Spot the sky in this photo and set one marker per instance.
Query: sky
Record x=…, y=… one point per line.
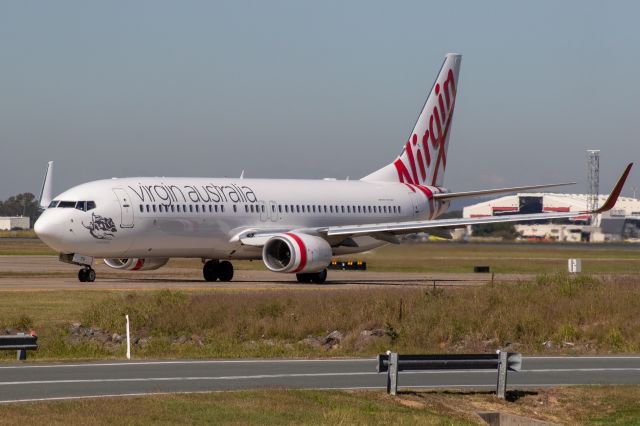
x=302, y=89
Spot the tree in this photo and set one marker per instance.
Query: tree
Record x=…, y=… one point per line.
x=504, y=230
x=24, y=204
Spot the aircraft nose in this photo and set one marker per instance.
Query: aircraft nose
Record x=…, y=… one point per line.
x=48, y=230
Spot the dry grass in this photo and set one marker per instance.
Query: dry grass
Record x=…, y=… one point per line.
x=574, y=315
x=238, y=408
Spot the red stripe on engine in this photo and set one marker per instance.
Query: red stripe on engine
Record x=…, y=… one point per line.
x=303, y=251
x=139, y=264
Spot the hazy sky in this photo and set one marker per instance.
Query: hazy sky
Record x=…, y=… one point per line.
x=313, y=89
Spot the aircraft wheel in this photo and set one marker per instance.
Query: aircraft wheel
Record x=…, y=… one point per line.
x=86, y=275
x=225, y=271
x=210, y=270
x=304, y=278
x=319, y=277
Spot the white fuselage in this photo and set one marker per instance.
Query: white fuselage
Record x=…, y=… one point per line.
x=197, y=217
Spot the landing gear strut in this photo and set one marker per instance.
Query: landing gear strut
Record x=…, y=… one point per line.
x=87, y=275
x=314, y=277
x=215, y=270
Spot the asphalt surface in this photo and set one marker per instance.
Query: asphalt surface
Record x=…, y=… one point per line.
x=48, y=273
x=34, y=382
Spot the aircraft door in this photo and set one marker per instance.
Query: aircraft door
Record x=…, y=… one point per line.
x=273, y=211
x=126, y=209
x=264, y=214
x=416, y=203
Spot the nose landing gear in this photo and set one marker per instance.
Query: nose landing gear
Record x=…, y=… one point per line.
x=87, y=274
x=215, y=270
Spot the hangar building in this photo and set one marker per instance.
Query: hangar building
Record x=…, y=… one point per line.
x=620, y=224
x=11, y=222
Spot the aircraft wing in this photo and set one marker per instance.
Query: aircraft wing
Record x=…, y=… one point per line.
x=454, y=195
x=425, y=225
x=385, y=231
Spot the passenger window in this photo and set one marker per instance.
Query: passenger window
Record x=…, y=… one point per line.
x=191, y=208
x=147, y=208
x=222, y=208
x=279, y=208
x=154, y=208
x=298, y=209
x=235, y=208
x=173, y=208
x=178, y=207
x=262, y=208
x=325, y=208
x=141, y=208
x=246, y=208
x=273, y=208
x=398, y=209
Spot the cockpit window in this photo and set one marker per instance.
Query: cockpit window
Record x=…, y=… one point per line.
x=85, y=206
x=66, y=204
x=53, y=204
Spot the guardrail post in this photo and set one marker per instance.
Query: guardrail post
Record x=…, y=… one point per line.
x=392, y=373
x=503, y=366
x=22, y=353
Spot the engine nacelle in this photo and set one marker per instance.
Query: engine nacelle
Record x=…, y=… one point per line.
x=296, y=253
x=135, y=264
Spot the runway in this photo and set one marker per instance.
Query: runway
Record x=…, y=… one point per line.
x=36, y=382
x=47, y=273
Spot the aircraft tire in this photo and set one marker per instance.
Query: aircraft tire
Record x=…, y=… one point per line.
x=319, y=277
x=210, y=270
x=303, y=278
x=82, y=275
x=225, y=271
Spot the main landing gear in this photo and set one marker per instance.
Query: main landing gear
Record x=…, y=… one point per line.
x=215, y=270
x=314, y=277
x=87, y=275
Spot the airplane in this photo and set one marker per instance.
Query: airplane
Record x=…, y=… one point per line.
x=295, y=226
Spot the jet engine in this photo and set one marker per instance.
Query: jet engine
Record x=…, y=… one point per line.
x=296, y=253
x=135, y=264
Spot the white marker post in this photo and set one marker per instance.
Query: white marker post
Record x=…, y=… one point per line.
x=128, y=339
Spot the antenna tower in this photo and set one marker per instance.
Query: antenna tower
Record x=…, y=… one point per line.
x=594, y=178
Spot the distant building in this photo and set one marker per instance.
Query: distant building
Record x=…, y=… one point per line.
x=620, y=224
x=8, y=223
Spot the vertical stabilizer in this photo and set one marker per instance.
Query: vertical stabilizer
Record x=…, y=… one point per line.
x=424, y=157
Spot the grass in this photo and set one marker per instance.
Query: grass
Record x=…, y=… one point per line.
x=23, y=233
x=580, y=405
x=555, y=314
x=240, y=408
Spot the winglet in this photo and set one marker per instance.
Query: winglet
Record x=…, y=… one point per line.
x=613, y=197
x=47, y=187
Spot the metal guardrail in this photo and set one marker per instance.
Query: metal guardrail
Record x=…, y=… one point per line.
x=392, y=363
x=20, y=342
